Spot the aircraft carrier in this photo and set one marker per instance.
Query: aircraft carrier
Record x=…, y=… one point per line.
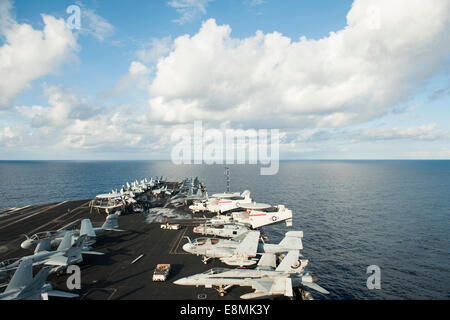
x=112, y=276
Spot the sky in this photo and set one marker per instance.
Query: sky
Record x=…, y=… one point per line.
x=363, y=79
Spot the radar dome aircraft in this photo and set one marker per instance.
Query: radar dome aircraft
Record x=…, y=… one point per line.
x=55, y=237
x=222, y=202
x=256, y=215
x=66, y=254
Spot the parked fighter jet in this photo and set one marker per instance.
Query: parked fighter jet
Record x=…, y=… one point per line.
x=288, y=275
x=189, y=196
x=241, y=250
x=24, y=287
x=66, y=254
x=55, y=237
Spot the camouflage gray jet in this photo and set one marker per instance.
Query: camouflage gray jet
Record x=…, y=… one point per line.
x=66, y=254
x=265, y=280
x=24, y=287
x=55, y=237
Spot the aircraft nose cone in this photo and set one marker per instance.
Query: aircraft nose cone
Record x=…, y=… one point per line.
x=187, y=247
x=181, y=281
x=25, y=244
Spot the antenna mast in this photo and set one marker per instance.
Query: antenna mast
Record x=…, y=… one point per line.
x=227, y=179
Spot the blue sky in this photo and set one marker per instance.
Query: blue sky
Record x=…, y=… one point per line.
x=339, y=79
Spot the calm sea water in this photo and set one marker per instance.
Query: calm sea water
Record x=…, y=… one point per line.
x=393, y=214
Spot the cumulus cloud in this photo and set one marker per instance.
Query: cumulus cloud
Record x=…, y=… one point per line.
x=69, y=122
x=386, y=51
x=28, y=54
x=137, y=77
x=189, y=9
x=65, y=108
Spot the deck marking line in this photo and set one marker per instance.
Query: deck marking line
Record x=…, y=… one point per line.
x=32, y=215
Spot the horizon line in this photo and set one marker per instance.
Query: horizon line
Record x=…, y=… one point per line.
x=169, y=160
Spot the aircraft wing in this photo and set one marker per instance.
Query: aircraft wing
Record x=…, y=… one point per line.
x=61, y=294
x=264, y=285
x=241, y=236
x=274, y=286
x=249, y=245
x=58, y=260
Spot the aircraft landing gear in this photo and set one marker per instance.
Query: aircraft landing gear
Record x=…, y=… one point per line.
x=205, y=260
x=223, y=290
x=302, y=294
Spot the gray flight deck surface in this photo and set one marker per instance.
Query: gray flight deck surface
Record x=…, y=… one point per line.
x=112, y=276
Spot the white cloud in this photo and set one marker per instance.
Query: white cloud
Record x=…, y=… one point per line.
x=70, y=122
x=255, y=2
x=386, y=51
x=189, y=9
x=158, y=48
x=427, y=132
x=95, y=25
x=28, y=54
x=137, y=77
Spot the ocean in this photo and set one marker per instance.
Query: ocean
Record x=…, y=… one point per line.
x=354, y=214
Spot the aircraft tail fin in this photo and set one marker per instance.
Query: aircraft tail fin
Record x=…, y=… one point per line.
x=249, y=245
x=86, y=228
x=77, y=246
x=267, y=261
x=66, y=242
x=44, y=245
x=111, y=222
x=290, y=262
x=23, y=275
x=37, y=282
x=245, y=194
x=292, y=240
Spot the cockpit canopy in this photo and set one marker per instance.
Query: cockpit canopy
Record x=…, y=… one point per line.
x=215, y=271
x=202, y=241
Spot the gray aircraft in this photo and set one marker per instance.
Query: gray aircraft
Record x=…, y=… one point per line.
x=55, y=237
x=225, y=231
x=265, y=280
x=242, y=250
x=24, y=287
x=189, y=191
x=66, y=254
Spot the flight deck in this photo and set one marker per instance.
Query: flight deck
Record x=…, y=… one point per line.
x=112, y=276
